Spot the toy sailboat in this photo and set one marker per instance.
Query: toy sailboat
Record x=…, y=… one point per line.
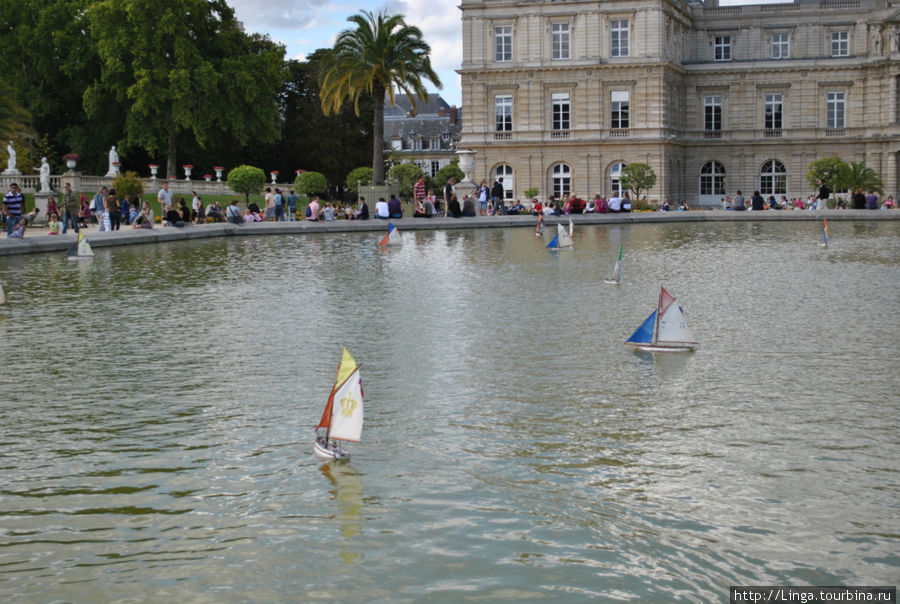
x=81, y=250
x=392, y=237
x=2, y=295
x=343, y=415
x=539, y=229
x=665, y=330
x=616, y=278
x=563, y=239
x=825, y=235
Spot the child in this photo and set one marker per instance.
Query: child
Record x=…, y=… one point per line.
x=54, y=224
x=19, y=230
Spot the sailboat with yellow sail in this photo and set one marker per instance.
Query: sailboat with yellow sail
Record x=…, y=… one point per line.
x=342, y=419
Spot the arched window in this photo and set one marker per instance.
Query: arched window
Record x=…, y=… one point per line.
x=506, y=173
x=615, y=174
x=773, y=178
x=712, y=179
x=561, y=180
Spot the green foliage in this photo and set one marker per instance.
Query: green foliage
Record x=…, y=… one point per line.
x=382, y=53
x=637, y=177
x=440, y=179
x=311, y=183
x=13, y=117
x=406, y=175
x=828, y=170
x=531, y=193
x=128, y=183
x=182, y=71
x=358, y=176
x=857, y=176
x=246, y=180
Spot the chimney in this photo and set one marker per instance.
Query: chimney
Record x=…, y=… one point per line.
x=454, y=113
x=442, y=112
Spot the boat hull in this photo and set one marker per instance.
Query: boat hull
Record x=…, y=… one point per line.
x=611, y=281
x=329, y=450
x=662, y=348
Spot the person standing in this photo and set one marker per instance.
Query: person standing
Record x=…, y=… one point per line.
x=449, y=192
x=292, y=206
x=164, y=197
x=279, y=205
x=419, y=189
x=497, y=195
x=98, y=206
x=269, y=209
x=14, y=204
x=114, y=210
x=71, y=207
x=822, y=197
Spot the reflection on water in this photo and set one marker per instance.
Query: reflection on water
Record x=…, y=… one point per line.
x=159, y=405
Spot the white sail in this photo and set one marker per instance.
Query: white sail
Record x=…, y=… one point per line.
x=2, y=295
x=673, y=327
x=84, y=248
x=394, y=237
x=571, y=227
x=347, y=411
x=565, y=240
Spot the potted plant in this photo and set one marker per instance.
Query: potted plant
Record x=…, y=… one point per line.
x=71, y=160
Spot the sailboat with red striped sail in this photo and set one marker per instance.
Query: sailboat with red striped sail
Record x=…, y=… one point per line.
x=342, y=419
x=665, y=330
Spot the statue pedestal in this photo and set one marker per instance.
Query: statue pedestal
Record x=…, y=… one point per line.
x=40, y=201
x=12, y=172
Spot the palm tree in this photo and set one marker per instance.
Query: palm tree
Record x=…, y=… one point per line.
x=382, y=52
x=857, y=176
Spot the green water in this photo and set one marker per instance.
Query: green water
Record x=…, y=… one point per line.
x=159, y=402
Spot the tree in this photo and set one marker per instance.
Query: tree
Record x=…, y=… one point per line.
x=382, y=52
x=128, y=184
x=451, y=169
x=13, y=117
x=246, y=179
x=182, y=70
x=637, y=177
x=406, y=175
x=358, y=176
x=311, y=183
x=828, y=170
x=531, y=192
x=857, y=176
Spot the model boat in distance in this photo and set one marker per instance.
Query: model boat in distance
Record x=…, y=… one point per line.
x=392, y=237
x=539, y=229
x=616, y=278
x=825, y=234
x=665, y=330
x=342, y=419
x=81, y=249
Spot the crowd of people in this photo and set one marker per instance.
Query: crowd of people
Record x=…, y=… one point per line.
x=110, y=213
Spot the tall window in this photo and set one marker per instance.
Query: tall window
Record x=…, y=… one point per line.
x=618, y=38
x=773, y=105
x=619, y=108
x=561, y=179
x=559, y=40
x=722, y=48
x=712, y=179
x=417, y=144
x=435, y=167
x=835, y=107
x=712, y=112
x=503, y=43
x=781, y=46
x=840, y=44
x=615, y=178
x=560, y=111
x=773, y=178
x=503, y=113
x=506, y=173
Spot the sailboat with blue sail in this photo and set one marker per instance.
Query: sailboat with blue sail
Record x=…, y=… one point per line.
x=563, y=239
x=665, y=330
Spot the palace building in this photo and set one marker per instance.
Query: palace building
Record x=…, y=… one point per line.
x=562, y=94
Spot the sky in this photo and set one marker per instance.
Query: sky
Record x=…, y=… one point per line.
x=304, y=26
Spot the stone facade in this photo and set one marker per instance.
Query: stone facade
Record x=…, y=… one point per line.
x=560, y=94
x=426, y=135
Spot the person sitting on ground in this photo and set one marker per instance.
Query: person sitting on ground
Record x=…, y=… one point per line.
x=683, y=207
x=328, y=212
x=233, y=213
x=184, y=212
x=591, y=207
x=395, y=210
x=516, y=208
x=172, y=218
x=214, y=211
x=381, y=209
x=31, y=216
x=453, y=207
x=602, y=205
x=252, y=207
x=312, y=210
x=666, y=206
x=626, y=203
x=363, y=212
x=468, y=208
x=84, y=216
x=537, y=208
x=889, y=203
x=420, y=208
x=54, y=224
x=18, y=231
x=144, y=220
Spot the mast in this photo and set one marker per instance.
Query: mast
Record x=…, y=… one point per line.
x=658, y=313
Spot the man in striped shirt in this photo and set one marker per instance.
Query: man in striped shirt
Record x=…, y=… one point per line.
x=14, y=201
x=419, y=189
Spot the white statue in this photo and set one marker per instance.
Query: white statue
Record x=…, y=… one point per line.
x=45, y=176
x=113, y=162
x=11, y=160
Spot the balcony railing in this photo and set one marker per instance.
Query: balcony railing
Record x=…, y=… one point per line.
x=834, y=132
x=559, y=134
x=502, y=136
x=772, y=133
x=619, y=133
x=712, y=134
